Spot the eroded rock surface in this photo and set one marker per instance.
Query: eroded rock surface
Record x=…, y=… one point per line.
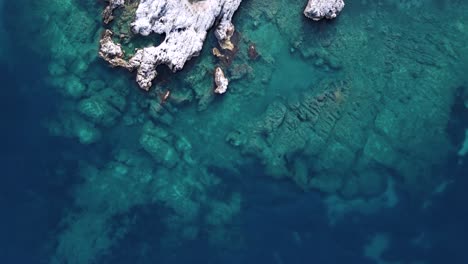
x=107, y=13
x=111, y=51
x=185, y=24
x=318, y=9
x=221, y=81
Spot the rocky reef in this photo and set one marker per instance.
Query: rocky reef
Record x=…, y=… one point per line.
x=333, y=140
x=185, y=25
x=221, y=81
x=351, y=109
x=318, y=9
x=111, y=51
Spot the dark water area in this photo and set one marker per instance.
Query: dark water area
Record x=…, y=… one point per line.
x=32, y=197
x=47, y=186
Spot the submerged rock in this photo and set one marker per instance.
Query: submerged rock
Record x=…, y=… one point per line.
x=318, y=9
x=158, y=143
x=185, y=24
x=252, y=51
x=74, y=127
x=464, y=148
x=221, y=81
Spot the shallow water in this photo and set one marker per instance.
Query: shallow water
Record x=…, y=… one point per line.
x=96, y=171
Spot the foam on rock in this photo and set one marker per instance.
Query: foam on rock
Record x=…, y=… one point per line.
x=318, y=9
x=185, y=24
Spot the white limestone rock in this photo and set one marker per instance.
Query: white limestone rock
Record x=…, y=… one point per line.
x=226, y=29
x=108, y=48
x=107, y=13
x=185, y=24
x=318, y=9
x=112, y=52
x=221, y=81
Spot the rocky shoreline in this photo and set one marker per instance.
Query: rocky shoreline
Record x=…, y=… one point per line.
x=185, y=25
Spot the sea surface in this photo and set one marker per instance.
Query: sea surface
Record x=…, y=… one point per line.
x=95, y=170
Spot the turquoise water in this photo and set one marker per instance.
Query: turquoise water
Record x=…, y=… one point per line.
x=341, y=143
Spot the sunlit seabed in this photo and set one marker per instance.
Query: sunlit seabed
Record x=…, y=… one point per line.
x=97, y=171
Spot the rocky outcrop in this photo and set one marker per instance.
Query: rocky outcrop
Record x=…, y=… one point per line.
x=111, y=51
x=224, y=32
x=107, y=13
x=185, y=24
x=221, y=81
x=318, y=9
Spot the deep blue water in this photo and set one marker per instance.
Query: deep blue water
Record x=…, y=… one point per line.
x=32, y=199
x=278, y=224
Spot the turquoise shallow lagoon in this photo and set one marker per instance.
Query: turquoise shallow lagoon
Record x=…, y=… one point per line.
x=343, y=141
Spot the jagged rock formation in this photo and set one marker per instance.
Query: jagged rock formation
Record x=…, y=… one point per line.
x=107, y=13
x=221, y=81
x=111, y=51
x=224, y=32
x=185, y=24
x=318, y=9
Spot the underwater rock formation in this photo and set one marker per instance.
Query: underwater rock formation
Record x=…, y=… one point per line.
x=252, y=51
x=287, y=129
x=185, y=25
x=221, y=81
x=334, y=139
x=158, y=143
x=318, y=9
x=464, y=148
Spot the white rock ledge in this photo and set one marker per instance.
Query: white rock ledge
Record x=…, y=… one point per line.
x=318, y=9
x=185, y=24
